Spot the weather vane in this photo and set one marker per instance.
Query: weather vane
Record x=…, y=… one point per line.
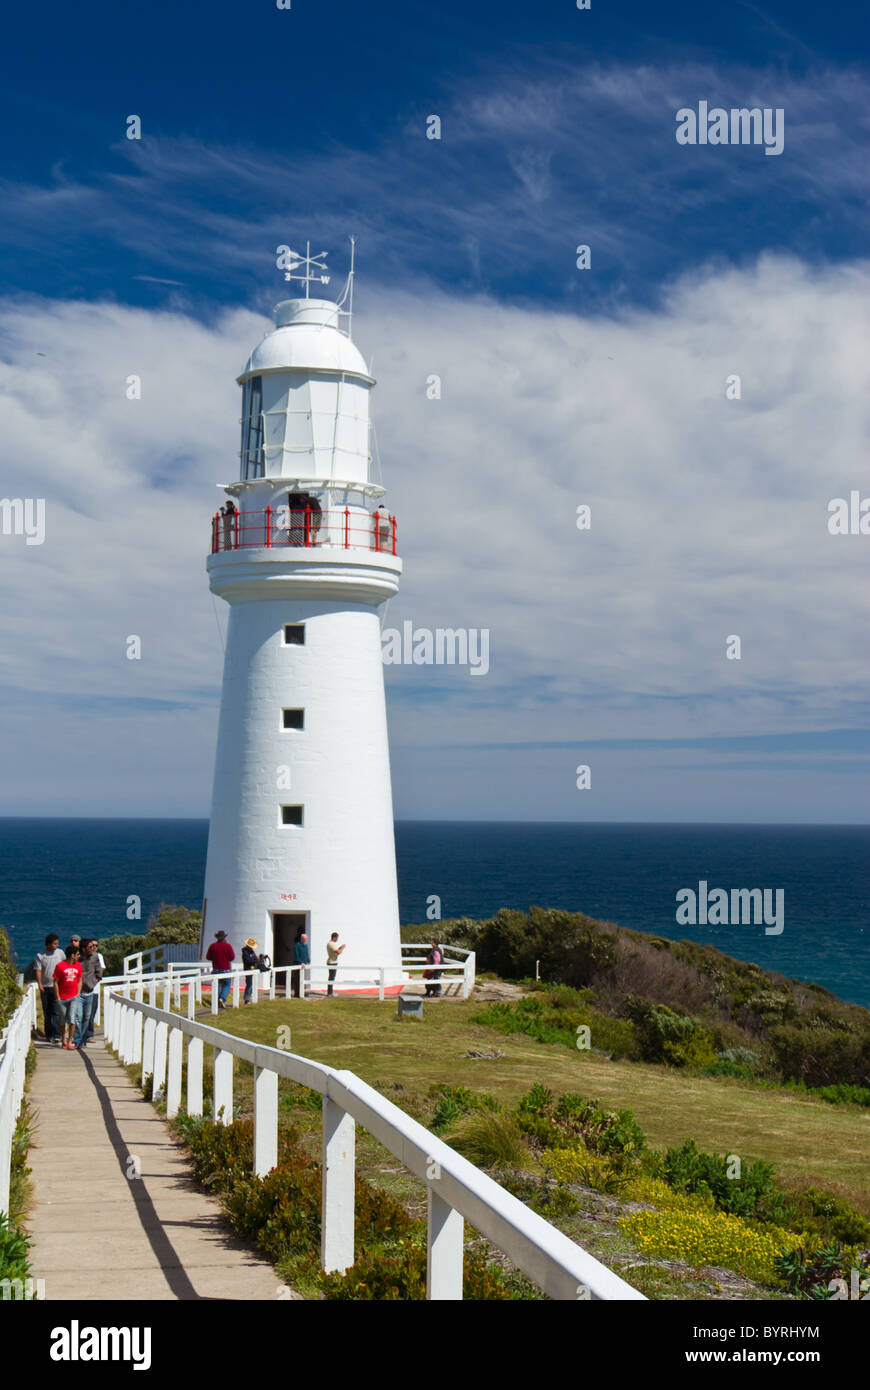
x=311, y=263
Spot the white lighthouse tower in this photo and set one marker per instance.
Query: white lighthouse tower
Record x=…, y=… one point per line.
x=304, y=552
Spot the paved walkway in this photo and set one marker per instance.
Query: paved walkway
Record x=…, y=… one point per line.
x=99, y=1234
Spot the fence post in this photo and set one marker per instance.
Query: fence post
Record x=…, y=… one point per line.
x=265, y=1120
x=214, y=995
x=148, y=1049
x=272, y=983
x=381, y=986
x=159, y=1073
x=223, y=1087
x=152, y=993
x=338, y=1188
x=191, y=998
x=302, y=982
x=194, y=1076
x=173, y=1080
x=176, y=982
x=167, y=995
x=444, y=1228
x=235, y=989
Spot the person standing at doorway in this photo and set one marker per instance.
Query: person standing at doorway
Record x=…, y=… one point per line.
x=301, y=957
x=91, y=975
x=333, y=951
x=221, y=955
x=250, y=961
x=46, y=962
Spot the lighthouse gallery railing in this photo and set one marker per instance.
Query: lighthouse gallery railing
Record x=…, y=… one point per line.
x=456, y=1190
x=348, y=528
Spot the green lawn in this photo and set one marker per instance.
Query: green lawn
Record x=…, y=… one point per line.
x=807, y=1140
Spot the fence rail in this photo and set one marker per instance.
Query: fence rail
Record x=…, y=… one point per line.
x=153, y=1038
x=14, y=1046
x=351, y=528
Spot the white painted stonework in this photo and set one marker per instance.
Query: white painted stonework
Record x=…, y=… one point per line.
x=339, y=865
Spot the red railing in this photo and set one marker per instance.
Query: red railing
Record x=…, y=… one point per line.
x=307, y=527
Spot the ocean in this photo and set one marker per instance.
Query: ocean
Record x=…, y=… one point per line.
x=77, y=875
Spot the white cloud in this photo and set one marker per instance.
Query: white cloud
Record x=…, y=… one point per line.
x=709, y=518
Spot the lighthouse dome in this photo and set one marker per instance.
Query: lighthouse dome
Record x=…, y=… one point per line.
x=305, y=408
x=307, y=337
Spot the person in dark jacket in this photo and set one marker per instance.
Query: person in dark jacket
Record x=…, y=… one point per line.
x=301, y=957
x=435, y=957
x=250, y=961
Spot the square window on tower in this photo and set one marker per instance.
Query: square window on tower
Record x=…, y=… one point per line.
x=294, y=634
x=293, y=718
x=291, y=815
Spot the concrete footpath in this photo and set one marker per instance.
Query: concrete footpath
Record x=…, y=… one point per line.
x=100, y=1233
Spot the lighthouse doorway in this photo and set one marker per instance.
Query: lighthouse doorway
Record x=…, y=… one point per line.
x=287, y=927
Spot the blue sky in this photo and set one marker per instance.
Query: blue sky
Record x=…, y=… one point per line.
x=263, y=126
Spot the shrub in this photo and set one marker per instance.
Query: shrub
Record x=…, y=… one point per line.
x=668, y=1036
x=578, y=1165
x=552, y=1200
x=10, y=994
x=808, y=1272
x=491, y=1139
x=14, y=1251
x=710, y=1238
x=452, y=1102
x=752, y=1194
x=394, y=1278
x=832, y=1217
x=558, y=1124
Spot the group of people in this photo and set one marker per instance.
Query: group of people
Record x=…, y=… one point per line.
x=68, y=982
x=222, y=955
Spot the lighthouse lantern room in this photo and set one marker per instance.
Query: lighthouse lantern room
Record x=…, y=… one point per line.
x=304, y=551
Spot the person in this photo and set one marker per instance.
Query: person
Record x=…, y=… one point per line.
x=228, y=526
x=435, y=957
x=92, y=973
x=301, y=957
x=250, y=961
x=383, y=528
x=68, y=988
x=221, y=955
x=333, y=951
x=46, y=963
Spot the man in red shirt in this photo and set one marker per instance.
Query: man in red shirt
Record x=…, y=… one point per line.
x=221, y=955
x=68, y=988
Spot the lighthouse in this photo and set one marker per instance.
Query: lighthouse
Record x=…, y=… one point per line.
x=304, y=552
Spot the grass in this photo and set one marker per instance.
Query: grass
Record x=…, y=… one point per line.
x=808, y=1141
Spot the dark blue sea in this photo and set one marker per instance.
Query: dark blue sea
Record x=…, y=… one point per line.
x=67, y=875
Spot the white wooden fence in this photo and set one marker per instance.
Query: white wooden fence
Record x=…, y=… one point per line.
x=14, y=1045
x=154, y=1039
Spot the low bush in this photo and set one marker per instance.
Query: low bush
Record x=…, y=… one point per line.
x=393, y=1278
x=552, y=1200
x=578, y=1165
x=14, y=1251
x=752, y=1194
x=831, y=1217
x=452, y=1102
x=491, y=1139
x=710, y=1238
x=667, y=1036
x=808, y=1272
x=560, y=1123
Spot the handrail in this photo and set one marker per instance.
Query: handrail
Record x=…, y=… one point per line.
x=304, y=527
x=456, y=1189
x=14, y=1046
